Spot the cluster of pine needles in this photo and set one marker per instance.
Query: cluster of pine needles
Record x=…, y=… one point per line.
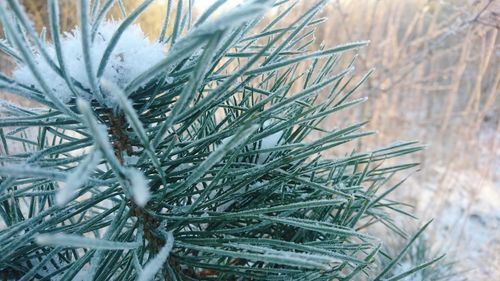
x=200, y=167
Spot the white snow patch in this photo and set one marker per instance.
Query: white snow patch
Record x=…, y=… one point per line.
x=132, y=55
x=268, y=142
x=258, y=184
x=49, y=268
x=78, y=178
x=149, y=271
x=130, y=160
x=139, y=185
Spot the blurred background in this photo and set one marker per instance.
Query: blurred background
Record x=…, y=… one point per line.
x=436, y=80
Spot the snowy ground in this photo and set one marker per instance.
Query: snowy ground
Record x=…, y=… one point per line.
x=465, y=205
x=466, y=212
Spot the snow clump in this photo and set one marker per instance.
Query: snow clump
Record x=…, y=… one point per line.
x=132, y=55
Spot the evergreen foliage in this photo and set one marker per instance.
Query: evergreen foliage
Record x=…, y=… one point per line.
x=199, y=167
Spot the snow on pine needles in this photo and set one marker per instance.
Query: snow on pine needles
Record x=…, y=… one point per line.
x=133, y=54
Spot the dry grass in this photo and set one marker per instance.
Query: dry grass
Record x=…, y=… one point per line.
x=436, y=81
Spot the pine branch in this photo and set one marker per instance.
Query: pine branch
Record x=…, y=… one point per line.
x=193, y=162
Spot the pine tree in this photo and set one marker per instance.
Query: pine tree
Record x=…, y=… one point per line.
x=187, y=158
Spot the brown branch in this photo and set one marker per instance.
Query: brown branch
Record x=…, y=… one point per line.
x=117, y=128
x=121, y=143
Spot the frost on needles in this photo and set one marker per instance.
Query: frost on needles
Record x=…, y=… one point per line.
x=187, y=156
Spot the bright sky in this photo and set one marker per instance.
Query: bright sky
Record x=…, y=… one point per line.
x=203, y=4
